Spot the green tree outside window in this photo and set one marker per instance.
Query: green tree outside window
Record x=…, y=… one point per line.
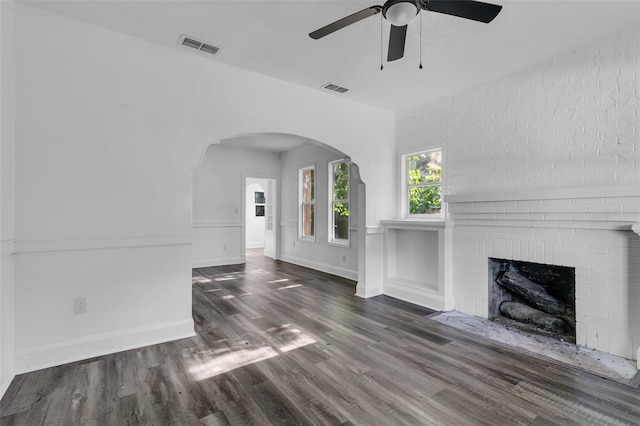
x=424, y=182
x=307, y=218
x=340, y=203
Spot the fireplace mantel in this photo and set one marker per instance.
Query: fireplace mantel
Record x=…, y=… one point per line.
x=609, y=208
x=607, y=191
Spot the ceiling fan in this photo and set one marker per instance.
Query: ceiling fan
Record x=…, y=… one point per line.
x=400, y=12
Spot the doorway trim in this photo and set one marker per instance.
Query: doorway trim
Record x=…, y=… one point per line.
x=276, y=216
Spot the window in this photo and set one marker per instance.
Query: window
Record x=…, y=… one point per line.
x=423, y=183
x=339, y=202
x=306, y=222
x=259, y=203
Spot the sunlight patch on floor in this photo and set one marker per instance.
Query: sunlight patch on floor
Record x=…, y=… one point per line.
x=213, y=362
x=290, y=286
x=221, y=364
x=301, y=339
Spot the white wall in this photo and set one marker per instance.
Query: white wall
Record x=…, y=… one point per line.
x=218, y=207
x=420, y=264
x=7, y=204
x=319, y=254
x=543, y=165
x=255, y=225
x=230, y=102
x=104, y=180
x=103, y=192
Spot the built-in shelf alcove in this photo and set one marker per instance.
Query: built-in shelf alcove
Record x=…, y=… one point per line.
x=417, y=256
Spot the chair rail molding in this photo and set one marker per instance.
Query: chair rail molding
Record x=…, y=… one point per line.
x=99, y=243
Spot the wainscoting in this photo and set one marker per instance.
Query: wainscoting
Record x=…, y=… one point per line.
x=217, y=243
x=116, y=276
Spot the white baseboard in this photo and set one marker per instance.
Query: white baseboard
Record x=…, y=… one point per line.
x=259, y=244
x=423, y=297
x=50, y=355
x=216, y=262
x=366, y=292
x=322, y=267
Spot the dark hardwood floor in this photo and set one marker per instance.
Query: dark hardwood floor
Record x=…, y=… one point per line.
x=284, y=345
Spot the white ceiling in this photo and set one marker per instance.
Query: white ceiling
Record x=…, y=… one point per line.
x=271, y=37
x=269, y=142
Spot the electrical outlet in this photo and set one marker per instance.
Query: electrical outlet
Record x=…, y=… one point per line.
x=225, y=247
x=80, y=305
x=344, y=259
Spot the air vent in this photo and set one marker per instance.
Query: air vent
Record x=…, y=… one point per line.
x=191, y=43
x=335, y=88
x=209, y=48
x=197, y=44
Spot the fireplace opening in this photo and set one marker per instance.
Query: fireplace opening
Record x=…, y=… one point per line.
x=533, y=297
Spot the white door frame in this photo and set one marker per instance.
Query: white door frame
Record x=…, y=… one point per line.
x=276, y=218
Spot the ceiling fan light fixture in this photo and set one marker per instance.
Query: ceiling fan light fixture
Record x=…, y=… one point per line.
x=400, y=12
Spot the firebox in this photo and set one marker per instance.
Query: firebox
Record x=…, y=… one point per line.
x=534, y=297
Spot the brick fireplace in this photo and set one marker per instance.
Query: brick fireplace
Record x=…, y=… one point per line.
x=589, y=229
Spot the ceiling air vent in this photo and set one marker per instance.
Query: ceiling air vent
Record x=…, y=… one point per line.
x=197, y=44
x=335, y=88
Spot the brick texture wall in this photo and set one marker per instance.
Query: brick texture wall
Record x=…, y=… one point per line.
x=566, y=130
x=570, y=121
x=590, y=233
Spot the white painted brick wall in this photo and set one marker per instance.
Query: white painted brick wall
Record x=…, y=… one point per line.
x=605, y=253
x=570, y=122
x=607, y=276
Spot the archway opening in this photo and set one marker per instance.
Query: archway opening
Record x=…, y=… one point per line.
x=222, y=200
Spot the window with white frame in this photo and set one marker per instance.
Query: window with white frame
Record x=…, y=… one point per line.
x=307, y=201
x=339, y=202
x=423, y=183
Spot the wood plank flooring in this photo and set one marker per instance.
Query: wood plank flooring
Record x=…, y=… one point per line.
x=284, y=345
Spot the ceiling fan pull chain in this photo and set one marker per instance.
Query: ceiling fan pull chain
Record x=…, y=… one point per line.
x=381, y=48
x=420, y=67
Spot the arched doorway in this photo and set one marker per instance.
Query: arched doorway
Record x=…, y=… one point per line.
x=222, y=199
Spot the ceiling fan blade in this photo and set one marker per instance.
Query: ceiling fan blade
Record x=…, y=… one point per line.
x=396, y=42
x=341, y=23
x=469, y=9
